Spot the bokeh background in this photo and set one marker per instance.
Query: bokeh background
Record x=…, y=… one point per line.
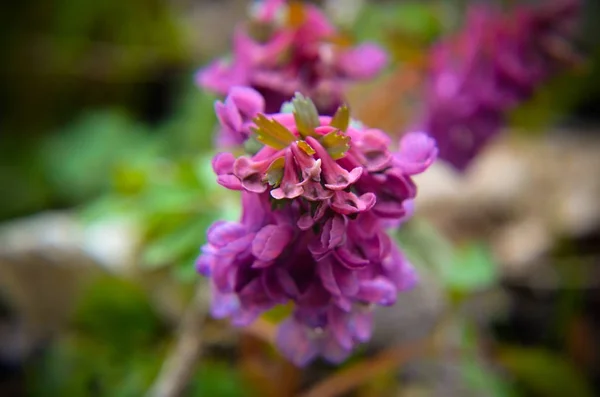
x=107, y=190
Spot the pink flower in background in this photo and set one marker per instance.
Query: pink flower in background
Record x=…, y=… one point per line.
x=494, y=64
x=316, y=202
x=288, y=48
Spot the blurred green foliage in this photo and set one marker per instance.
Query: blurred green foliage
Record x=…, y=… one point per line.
x=418, y=20
x=543, y=373
x=72, y=137
x=405, y=28
x=552, y=102
x=78, y=162
x=166, y=185
x=61, y=55
x=117, y=313
x=218, y=379
x=115, y=348
x=481, y=377
x=462, y=270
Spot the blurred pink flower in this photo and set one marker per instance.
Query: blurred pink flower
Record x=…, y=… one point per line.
x=490, y=67
x=288, y=48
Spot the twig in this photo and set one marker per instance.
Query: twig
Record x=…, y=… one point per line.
x=350, y=378
x=179, y=366
x=262, y=330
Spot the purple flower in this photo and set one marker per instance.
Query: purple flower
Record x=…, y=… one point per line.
x=317, y=199
x=288, y=48
x=494, y=64
x=240, y=107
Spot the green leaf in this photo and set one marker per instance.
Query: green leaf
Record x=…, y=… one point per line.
x=422, y=21
x=275, y=172
x=185, y=271
x=287, y=107
x=278, y=313
x=341, y=119
x=117, y=314
x=544, y=373
x=464, y=269
x=169, y=248
x=425, y=246
x=472, y=269
x=306, y=115
x=217, y=379
x=337, y=144
x=77, y=365
x=252, y=145
x=272, y=133
x=481, y=377
x=483, y=380
x=79, y=161
x=549, y=103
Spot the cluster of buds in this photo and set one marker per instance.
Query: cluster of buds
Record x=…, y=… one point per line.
x=292, y=47
x=494, y=64
x=317, y=199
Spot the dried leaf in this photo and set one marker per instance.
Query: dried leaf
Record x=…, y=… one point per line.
x=306, y=148
x=296, y=14
x=341, y=39
x=337, y=144
x=272, y=133
x=351, y=377
x=341, y=119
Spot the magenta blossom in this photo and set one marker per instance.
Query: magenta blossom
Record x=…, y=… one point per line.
x=292, y=48
x=316, y=201
x=496, y=63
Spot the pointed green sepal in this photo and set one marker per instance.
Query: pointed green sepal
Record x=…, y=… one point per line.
x=306, y=148
x=337, y=144
x=252, y=145
x=272, y=133
x=306, y=115
x=341, y=119
x=274, y=173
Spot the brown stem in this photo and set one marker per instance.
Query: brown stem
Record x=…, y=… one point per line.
x=178, y=368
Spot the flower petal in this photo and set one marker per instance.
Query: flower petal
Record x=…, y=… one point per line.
x=360, y=324
x=336, y=177
x=294, y=342
x=363, y=62
x=222, y=305
x=332, y=351
x=338, y=326
x=379, y=290
x=334, y=232
x=417, y=152
x=222, y=233
x=250, y=174
x=351, y=260
x=347, y=203
x=222, y=163
x=228, y=115
x=270, y=242
x=248, y=101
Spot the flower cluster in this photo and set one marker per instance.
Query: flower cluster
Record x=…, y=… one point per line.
x=288, y=48
x=491, y=66
x=317, y=198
